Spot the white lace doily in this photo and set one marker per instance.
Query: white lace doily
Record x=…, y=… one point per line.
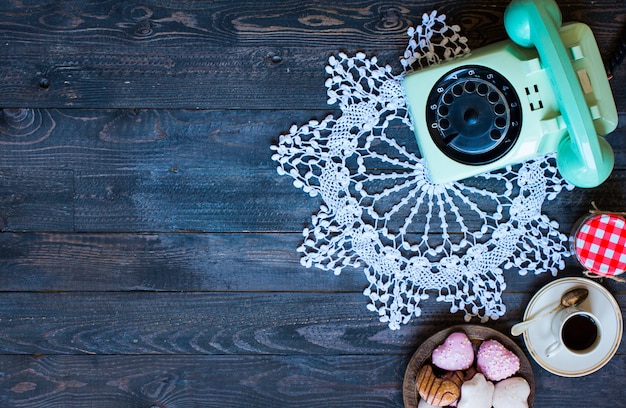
x=380, y=211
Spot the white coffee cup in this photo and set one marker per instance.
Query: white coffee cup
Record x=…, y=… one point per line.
x=575, y=330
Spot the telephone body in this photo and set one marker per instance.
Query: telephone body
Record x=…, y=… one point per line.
x=545, y=90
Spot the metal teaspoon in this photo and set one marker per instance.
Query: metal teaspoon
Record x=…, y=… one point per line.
x=572, y=297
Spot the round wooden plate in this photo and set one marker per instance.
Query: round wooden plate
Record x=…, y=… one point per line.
x=477, y=334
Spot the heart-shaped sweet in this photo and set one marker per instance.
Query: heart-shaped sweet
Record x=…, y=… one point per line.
x=495, y=361
x=456, y=353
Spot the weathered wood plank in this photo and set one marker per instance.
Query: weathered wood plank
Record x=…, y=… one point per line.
x=189, y=200
x=196, y=323
x=93, y=141
x=256, y=55
x=222, y=79
x=159, y=171
x=162, y=262
x=251, y=381
x=185, y=262
x=201, y=201
x=42, y=197
x=212, y=23
x=223, y=23
x=206, y=381
x=130, y=323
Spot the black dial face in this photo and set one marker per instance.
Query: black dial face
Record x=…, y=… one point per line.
x=474, y=115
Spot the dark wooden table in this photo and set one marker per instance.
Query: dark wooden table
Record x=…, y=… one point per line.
x=148, y=247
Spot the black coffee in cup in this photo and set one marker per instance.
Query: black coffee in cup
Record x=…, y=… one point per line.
x=579, y=332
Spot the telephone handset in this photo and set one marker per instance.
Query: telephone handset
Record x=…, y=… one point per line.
x=544, y=91
x=584, y=158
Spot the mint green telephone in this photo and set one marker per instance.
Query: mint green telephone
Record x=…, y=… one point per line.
x=545, y=91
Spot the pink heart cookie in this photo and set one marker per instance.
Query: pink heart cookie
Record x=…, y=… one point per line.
x=456, y=353
x=495, y=361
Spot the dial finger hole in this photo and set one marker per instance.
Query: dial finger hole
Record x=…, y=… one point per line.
x=495, y=134
x=482, y=89
x=499, y=109
x=447, y=98
x=470, y=86
x=457, y=90
x=500, y=122
x=443, y=110
x=493, y=97
x=444, y=124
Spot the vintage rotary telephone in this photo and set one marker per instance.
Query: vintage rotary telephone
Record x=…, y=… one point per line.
x=544, y=91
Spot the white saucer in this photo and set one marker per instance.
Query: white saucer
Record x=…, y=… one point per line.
x=539, y=336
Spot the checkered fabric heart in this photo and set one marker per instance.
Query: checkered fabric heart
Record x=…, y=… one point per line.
x=600, y=244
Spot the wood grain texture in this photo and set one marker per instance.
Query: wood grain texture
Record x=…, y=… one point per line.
x=216, y=54
x=242, y=323
x=206, y=381
x=148, y=247
x=162, y=262
x=239, y=323
x=180, y=171
x=150, y=139
x=102, y=262
x=245, y=381
x=43, y=197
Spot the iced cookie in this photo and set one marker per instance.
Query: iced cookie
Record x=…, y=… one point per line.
x=495, y=361
x=476, y=393
x=511, y=393
x=438, y=391
x=456, y=353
